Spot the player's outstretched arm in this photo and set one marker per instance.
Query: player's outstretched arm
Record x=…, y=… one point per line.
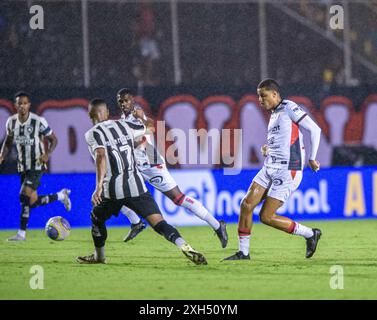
x=315, y=136
x=6, y=147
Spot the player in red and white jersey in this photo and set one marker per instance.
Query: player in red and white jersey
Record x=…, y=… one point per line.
x=282, y=170
x=153, y=169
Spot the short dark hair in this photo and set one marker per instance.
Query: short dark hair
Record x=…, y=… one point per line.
x=97, y=101
x=125, y=91
x=94, y=104
x=269, y=84
x=21, y=94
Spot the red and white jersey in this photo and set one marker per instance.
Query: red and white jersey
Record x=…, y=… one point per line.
x=284, y=138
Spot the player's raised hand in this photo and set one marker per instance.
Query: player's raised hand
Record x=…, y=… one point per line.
x=96, y=197
x=138, y=113
x=314, y=165
x=1, y=158
x=264, y=150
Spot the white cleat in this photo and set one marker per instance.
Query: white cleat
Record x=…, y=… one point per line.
x=66, y=201
x=193, y=255
x=17, y=237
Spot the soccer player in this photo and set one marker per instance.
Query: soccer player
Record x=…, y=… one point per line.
x=29, y=131
x=282, y=170
x=119, y=183
x=153, y=169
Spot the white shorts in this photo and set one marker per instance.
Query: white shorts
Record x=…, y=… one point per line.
x=279, y=182
x=159, y=177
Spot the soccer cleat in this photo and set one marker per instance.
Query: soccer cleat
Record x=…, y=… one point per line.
x=66, y=201
x=135, y=230
x=222, y=234
x=17, y=237
x=193, y=255
x=89, y=260
x=238, y=256
x=311, y=243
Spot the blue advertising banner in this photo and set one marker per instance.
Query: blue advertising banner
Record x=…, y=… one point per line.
x=334, y=193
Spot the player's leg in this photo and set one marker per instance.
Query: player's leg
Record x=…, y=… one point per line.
x=171, y=234
x=99, y=215
x=253, y=197
x=28, y=194
x=287, y=182
x=136, y=224
x=147, y=207
x=161, y=179
x=269, y=217
x=62, y=196
x=193, y=205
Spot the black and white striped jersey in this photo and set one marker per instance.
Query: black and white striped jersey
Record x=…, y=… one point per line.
x=122, y=178
x=146, y=153
x=28, y=137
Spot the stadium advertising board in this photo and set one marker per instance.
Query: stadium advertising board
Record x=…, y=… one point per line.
x=333, y=193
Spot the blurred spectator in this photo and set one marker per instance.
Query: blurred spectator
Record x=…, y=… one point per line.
x=147, y=54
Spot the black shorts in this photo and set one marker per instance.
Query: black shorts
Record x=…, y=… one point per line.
x=31, y=179
x=144, y=205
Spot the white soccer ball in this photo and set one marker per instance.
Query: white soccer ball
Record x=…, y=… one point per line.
x=57, y=228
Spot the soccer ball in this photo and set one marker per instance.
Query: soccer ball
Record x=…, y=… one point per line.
x=57, y=228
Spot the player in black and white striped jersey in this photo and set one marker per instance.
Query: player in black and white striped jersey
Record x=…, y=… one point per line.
x=119, y=183
x=29, y=132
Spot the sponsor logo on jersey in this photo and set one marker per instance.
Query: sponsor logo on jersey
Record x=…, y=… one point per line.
x=156, y=180
x=29, y=129
x=277, y=182
x=275, y=129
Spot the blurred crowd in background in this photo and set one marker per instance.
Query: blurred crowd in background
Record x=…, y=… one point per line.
x=218, y=44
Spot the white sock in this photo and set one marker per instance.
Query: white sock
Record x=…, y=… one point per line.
x=244, y=244
x=179, y=242
x=60, y=195
x=200, y=211
x=301, y=230
x=22, y=233
x=132, y=216
x=99, y=254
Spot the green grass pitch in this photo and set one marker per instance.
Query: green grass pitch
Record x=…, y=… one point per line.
x=149, y=267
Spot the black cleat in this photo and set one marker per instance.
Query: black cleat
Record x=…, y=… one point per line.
x=135, y=230
x=222, y=234
x=311, y=243
x=90, y=259
x=238, y=256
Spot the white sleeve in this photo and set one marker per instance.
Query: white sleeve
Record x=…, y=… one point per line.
x=295, y=112
x=315, y=135
x=94, y=140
